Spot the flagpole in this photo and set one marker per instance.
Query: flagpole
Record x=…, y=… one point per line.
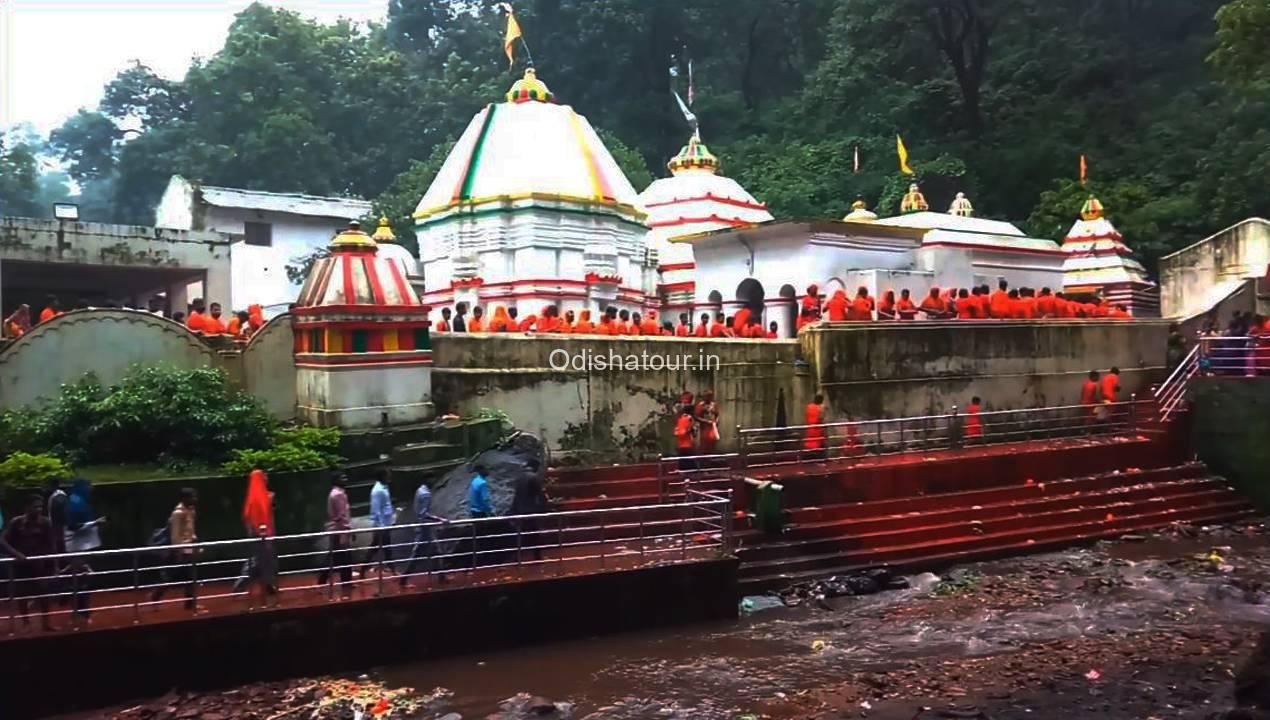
x=529, y=57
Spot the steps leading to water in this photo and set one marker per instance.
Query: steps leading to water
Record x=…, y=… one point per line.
x=957, y=527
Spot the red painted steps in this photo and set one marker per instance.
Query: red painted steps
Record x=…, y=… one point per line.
x=1036, y=526
x=936, y=527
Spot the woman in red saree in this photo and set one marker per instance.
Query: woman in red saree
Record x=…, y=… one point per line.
x=262, y=566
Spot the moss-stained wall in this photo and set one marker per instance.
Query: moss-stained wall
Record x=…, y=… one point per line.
x=920, y=368
x=612, y=414
x=1231, y=431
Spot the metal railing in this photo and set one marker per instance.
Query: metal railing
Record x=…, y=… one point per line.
x=773, y=446
x=227, y=575
x=764, y=447
x=1213, y=356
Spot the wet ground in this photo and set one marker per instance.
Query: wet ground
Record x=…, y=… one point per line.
x=1143, y=627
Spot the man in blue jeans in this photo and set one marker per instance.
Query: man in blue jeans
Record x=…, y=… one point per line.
x=478, y=506
x=382, y=517
x=425, y=545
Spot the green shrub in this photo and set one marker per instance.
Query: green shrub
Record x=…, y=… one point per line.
x=176, y=417
x=283, y=458
x=20, y=431
x=25, y=470
x=324, y=440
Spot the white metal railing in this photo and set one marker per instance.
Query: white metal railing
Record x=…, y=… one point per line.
x=1213, y=356
x=774, y=446
x=137, y=581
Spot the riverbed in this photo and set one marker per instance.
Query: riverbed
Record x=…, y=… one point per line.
x=1146, y=626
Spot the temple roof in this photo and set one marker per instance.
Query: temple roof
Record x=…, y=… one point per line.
x=355, y=273
x=1096, y=253
x=929, y=220
x=528, y=149
x=697, y=199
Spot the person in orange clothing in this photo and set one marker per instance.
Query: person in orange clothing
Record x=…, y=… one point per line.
x=729, y=330
x=836, y=307
x=195, y=320
x=809, y=311
x=584, y=326
x=772, y=331
x=684, y=445
x=237, y=325
x=1118, y=312
x=1065, y=308
x=549, y=320
x=904, y=307
x=706, y=413
x=1111, y=385
x=740, y=322
x=649, y=325
x=703, y=328
x=52, y=308
x=886, y=308
x=934, y=306
x=1090, y=392
x=500, y=321
x=814, y=433
x=605, y=325
x=18, y=323
x=569, y=323
x=967, y=309
x=255, y=317
x=1014, y=309
x=862, y=305
x=999, y=302
x=1046, y=304
x=682, y=329
x=527, y=323
x=974, y=427
x=257, y=516
x=718, y=328
x=212, y=323
x=754, y=330
x=443, y=325
x=1028, y=300
x=477, y=323
x=637, y=324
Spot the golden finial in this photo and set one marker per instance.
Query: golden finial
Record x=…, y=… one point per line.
x=384, y=233
x=353, y=240
x=961, y=206
x=914, y=200
x=1092, y=209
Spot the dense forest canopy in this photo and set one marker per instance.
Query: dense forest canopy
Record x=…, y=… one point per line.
x=999, y=98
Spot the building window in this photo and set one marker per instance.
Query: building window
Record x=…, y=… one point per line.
x=258, y=233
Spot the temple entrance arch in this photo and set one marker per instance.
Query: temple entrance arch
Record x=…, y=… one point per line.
x=750, y=294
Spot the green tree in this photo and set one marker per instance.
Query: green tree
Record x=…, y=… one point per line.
x=19, y=178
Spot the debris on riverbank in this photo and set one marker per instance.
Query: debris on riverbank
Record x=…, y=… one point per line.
x=320, y=699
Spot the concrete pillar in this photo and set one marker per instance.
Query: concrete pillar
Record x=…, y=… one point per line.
x=218, y=286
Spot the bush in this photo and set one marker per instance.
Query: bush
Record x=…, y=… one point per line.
x=324, y=440
x=283, y=458
x=34, y=471
x=157, y=415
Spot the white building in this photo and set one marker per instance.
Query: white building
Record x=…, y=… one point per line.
x=273, y=229
x=768, y=268
x=530, y=209
x=694, y=199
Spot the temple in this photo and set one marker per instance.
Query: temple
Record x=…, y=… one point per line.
x=530, y=209
x=1098, y=262
x=363, y=357
x=767, y=267
x=694, y=199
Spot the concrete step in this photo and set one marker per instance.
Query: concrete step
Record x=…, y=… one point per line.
x=933, y=527
x=940, y=557
x=1044, y=531
x=424, y=453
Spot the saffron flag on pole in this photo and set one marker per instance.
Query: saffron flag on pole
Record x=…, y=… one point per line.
x=512, y=35
x=903, y=153
x=1084, y=170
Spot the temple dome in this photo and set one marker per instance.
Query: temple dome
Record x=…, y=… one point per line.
x=695, y=198
x=860, y=213
x=356, y=274
x=386, y=240
x=528, y=151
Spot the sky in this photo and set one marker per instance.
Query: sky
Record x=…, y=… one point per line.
x=57, y=55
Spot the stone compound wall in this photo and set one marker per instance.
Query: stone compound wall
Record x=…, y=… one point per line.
x=268, y=366
x=1195, y=278
x=617, y=414
x=105, y=342
x=1230, y=424
x=876, y=370
x=918, y=368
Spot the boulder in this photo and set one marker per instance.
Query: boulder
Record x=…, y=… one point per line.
x=517, y=478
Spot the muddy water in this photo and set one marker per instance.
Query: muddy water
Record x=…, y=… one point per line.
x=714, y=672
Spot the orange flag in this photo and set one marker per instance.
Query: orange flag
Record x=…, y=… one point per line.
x=1084, y=170
x=511, y=36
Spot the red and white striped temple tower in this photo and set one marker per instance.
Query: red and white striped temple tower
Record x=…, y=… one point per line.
x=1098, y=262
x=362, y=353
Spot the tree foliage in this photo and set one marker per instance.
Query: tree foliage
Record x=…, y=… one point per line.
x=996, y=98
